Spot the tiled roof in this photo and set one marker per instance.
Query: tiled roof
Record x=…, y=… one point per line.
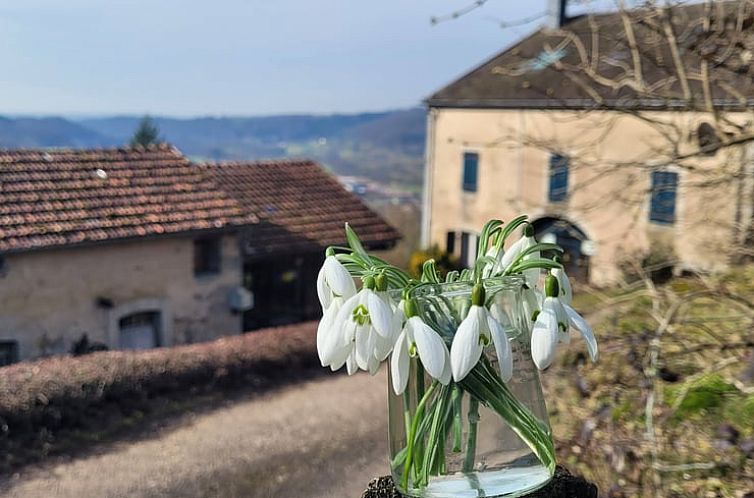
x=51, y=198
x=525, y=75
x=300, y=206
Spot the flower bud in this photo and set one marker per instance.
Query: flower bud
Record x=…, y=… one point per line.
x=410, y=308
x=552, y=289
x=368, y=282
x=478, y=295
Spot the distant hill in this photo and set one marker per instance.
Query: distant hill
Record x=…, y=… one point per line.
x=47, y=132
x=384, y=146
x=387, y=146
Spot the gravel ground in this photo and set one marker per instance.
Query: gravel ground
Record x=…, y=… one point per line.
x=324, y=438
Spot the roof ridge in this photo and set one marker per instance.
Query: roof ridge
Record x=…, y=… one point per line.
x=163, y=146
x=259, y=162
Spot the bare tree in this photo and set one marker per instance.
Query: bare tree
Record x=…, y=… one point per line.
x=686, y=72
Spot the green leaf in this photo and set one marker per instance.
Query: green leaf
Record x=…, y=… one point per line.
x=511, y=226
x=355, y=243
x=429, y=272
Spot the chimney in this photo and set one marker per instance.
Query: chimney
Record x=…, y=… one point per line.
x=556, y=13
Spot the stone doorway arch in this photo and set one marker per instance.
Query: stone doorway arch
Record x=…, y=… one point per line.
x=577, y=247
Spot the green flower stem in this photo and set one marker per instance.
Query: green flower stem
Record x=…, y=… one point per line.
x=407, y=410
x=419, y=380
x=435, y=449
x=473, y=417
x=419, y=443
x=457, y=422
x=412, y=433
x=484, y=384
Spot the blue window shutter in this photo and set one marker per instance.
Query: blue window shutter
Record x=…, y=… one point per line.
x=470, y=171
x=558, y=178
x=663, y=197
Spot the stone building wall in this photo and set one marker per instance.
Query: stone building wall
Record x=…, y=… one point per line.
x=49, y=299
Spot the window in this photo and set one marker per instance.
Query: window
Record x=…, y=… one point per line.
x=709, y=142
x=8, y=352
x=663, y=196
x=450, y=242
x=468, y=248
x=558, y=178
x=470, y=171
x=207, y=256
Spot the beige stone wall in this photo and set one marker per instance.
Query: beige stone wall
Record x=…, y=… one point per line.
x=609, y=203
x=48, y=299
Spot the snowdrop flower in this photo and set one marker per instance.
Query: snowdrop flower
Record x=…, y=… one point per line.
x=361, y=332
x=553, y=322
x=418, y=339
x=477, y=331
x=333, y=281
x=518, y=247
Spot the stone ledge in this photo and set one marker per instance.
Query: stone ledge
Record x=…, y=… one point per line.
x=563, y=485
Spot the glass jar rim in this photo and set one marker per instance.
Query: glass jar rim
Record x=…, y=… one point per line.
x=457, y=289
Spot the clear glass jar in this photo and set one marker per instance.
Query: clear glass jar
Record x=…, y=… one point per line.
x=481, y=437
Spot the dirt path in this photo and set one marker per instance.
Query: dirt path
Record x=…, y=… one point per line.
x=324, y=438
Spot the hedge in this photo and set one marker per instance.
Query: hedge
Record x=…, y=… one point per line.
x=42, y=400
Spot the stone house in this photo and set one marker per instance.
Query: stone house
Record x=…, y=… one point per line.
x=519, y=134
x=301, y=210
x=138, y=248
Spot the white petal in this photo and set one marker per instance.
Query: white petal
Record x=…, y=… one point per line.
x=430, y=346
x=383, y=347
x=586, y=331
x=380, y=314
x=544, y=338
x=502, y=348
x=512, y=253
x=323, y=292
x=351, y=366
x=447, y=373
x=325, y=328
x=532, y=275
x=338, y=278
x=466, y=349
x=362, y=347
x=340, y=345
x=373, y=365
x=399, y=364
x=336, y=342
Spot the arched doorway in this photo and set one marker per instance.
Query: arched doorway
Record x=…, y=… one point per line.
x=574, y=241
x=140, y=330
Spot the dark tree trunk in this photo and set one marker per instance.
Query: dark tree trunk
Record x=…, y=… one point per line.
x=563, y=485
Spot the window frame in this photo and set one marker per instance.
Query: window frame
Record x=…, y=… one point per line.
x=559, y=166
x=207, y=255
x=657, y=214
x=467, y=185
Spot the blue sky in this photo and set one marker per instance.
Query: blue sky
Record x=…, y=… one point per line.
x=240, y=57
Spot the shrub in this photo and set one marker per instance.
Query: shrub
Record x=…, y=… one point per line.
x=40, y=399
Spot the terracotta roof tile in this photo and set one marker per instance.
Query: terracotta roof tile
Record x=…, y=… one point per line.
x=67, y=197
x=300, y=206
